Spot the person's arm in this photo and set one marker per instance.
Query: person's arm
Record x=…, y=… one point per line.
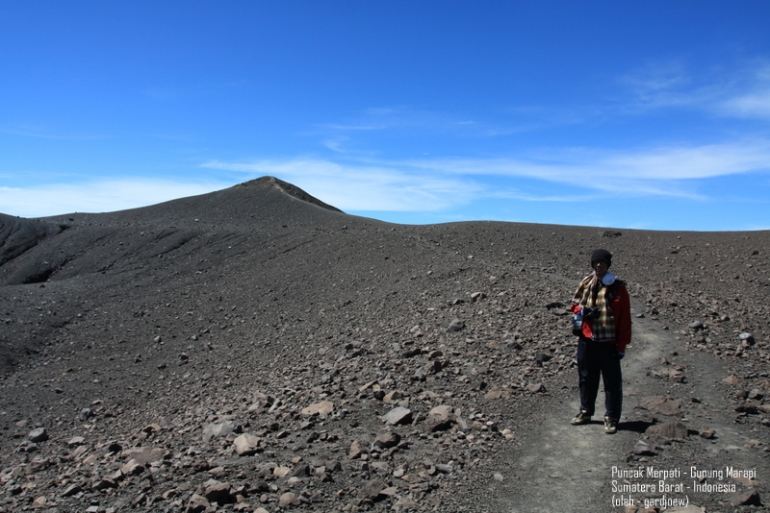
x=622, y=314
x=579, y=293
x=576, y=306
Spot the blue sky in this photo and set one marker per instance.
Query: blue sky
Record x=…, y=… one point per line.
x=652, y=115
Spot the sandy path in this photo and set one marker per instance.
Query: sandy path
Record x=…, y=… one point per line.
x=559, y=467
x=568, y=468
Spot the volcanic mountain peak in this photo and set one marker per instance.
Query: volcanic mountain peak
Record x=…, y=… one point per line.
x=288, y=189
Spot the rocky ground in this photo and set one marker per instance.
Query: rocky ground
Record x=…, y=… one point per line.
x=257, y=350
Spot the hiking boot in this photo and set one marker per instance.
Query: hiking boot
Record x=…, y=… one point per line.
x=581, y=418
x=610, y=425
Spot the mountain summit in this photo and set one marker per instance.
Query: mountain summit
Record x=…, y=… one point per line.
x=290, y=189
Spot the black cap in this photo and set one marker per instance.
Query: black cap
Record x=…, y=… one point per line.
x=601, y=254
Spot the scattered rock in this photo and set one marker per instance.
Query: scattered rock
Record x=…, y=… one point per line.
x=132, y=468
x=220, y=429
x=217, y=491
x=280, y=472
x=440, y=418
x=322, y=408
x=288, y=499
x=75, y=441
x=642, y=448
x=387, y=438
x=246, y=444
x=71, y=490
x=393, y=396
x=748, y=406
x=404, y=504
x=668, y=430
x=356, y=450
x=38, y=435
x=372, y=489
x=536, y=388
x=456, y=325
x=498, y=392
x=747, y=497
x=671, y=374
x=145, y=455
x=746, y=481
x=398, y=415
x=197, y=504
x=151, y=428
x=661, y=405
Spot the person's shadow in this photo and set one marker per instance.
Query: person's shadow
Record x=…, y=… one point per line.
x=637, y=426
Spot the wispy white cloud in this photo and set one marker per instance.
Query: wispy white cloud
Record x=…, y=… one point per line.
x=753, y=105
x=412, y=119
x=580, y=175
x=599, y=169
x=658, y=84
x=751, y=98
x=366, y=186
x=336, y=143
x=105, y=196
x=687, y=163
x=741, y=93
x=513, y=194
x=429, y=185
x=435, y=184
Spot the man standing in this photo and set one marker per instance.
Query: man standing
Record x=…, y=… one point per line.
x=602, y=319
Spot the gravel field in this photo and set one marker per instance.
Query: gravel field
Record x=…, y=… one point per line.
x=255, y=349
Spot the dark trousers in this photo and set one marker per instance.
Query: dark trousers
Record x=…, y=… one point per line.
x=595, y=358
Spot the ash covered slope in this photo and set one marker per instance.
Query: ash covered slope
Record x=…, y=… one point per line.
x=92, y=259
x=184, y=313
x=34, y=251
x=18, y=235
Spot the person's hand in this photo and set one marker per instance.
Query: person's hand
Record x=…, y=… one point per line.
x=621, y=354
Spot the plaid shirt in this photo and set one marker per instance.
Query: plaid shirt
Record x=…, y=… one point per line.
x=593, y=293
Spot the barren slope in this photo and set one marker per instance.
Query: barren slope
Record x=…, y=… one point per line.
x=144, y=328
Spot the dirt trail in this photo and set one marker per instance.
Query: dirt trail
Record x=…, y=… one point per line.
x=568, y=468
x=560, y=467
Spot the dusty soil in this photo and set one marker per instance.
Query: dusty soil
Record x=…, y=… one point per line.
x=152, y=344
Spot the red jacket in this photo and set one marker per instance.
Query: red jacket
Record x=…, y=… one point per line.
x=621, y=312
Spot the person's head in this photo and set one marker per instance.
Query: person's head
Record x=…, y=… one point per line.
x=601, y=259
